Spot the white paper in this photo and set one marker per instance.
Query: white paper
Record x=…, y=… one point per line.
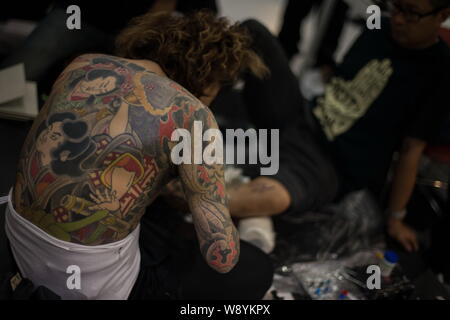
x=24, y=108
x=12, y=83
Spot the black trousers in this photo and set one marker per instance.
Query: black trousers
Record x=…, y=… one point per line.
x=294, y=14
x=173, y=268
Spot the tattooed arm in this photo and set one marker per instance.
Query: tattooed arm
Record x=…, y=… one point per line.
x=204, y=189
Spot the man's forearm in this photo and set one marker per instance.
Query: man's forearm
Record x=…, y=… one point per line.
x=403, y=182
x=218, y=237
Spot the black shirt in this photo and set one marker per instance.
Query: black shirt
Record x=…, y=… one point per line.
x=381, y=94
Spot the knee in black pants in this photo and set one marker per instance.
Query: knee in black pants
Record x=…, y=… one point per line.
x=250, y=279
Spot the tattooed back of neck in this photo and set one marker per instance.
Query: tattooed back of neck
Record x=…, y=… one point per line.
x=99, y=152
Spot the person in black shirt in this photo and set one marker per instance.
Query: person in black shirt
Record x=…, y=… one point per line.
x=390, y=93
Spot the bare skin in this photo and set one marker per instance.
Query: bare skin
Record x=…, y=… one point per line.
x=260, y=197
x=402, y=187
x=421, y=33
x=99, y=153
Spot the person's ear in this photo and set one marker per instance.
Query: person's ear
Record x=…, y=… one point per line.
x=64, y=155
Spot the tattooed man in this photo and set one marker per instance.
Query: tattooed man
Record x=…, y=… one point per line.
x=99, y=153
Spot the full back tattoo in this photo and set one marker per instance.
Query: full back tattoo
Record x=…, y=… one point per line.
x=99, y=153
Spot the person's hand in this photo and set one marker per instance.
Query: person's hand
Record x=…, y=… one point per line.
x=398, y=230
x=106, y=201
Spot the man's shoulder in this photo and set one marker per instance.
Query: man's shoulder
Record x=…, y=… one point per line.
x=144, y=81
x=140, y=84
x=165, y=96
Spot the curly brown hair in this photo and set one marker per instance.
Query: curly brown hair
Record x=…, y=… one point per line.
x=195, y=50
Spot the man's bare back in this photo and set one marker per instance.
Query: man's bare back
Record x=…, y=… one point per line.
x=99, y=152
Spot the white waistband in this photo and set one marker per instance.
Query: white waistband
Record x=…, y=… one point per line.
x=74, y=247
x=107, y=271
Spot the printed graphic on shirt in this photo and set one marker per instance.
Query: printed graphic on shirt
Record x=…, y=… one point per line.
x=344, y=102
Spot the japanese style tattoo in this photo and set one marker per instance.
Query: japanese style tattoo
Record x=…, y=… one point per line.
x=99, y=153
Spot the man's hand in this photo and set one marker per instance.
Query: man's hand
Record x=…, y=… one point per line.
x=106, y=200
x=404, y=234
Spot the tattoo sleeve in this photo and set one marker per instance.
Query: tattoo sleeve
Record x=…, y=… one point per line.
x=205, y=192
